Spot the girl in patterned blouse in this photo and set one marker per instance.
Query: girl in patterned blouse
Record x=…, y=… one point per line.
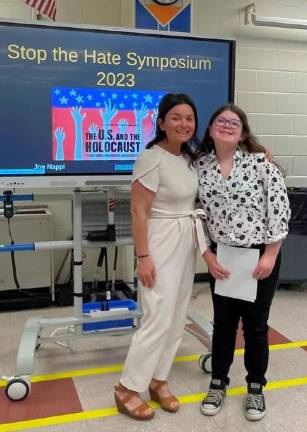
x=246, y=203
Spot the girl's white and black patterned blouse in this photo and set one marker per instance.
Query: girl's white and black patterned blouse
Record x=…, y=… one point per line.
x=250, y=207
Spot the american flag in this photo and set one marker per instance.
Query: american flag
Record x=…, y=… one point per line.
x=45, y=7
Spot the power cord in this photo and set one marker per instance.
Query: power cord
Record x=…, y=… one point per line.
x=8, y=212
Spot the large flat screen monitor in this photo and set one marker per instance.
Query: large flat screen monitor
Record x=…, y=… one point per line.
x=79, y=104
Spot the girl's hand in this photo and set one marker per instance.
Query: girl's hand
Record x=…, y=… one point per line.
x=146, y=271
x=265, y=266
x=217, y=271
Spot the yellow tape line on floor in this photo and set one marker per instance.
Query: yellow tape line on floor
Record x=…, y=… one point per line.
x=118, y=367
x=108, y=412
x=73, y=374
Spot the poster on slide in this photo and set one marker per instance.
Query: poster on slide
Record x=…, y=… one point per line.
x=93, y=124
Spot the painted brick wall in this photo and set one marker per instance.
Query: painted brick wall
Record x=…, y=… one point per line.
x=271, y=71
x=271, y=74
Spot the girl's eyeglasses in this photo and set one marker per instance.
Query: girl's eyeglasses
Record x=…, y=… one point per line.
x=233, y=123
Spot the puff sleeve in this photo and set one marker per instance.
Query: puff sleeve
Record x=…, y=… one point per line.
x=278, y=210
x=146, y=169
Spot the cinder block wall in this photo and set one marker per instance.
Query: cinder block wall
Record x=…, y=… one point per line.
x=271, y=64
x=272, y=88
x=271, y=73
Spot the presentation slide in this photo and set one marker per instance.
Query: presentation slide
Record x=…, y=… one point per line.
x=84, y=102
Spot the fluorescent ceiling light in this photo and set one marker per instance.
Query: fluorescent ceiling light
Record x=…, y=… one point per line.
x=252, y=18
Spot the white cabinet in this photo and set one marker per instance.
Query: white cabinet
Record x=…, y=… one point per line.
x=34, y=268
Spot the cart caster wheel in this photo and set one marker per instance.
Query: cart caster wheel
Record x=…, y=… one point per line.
x=17, y=389
x=205, y=363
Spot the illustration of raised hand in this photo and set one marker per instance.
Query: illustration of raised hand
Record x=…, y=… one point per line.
x=153, y=117
x=59, y=136
x=122, y=125
x=140, y=114
x=78, y=119
x=109, y=112
x=93, y=130
x=77, y=114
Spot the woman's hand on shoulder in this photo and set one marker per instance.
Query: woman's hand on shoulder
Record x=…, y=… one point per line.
x=217, y=271
x=268, y=155
x=146, y=271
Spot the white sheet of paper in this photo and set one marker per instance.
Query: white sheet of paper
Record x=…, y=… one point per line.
x=241, y=262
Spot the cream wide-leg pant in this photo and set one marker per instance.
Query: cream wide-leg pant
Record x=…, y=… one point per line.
x=155, y=343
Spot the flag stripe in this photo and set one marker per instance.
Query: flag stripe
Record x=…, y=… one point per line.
x=41, y=5
x=45, y=7
x=48, y=6
x=32, y=3
x=53, y=12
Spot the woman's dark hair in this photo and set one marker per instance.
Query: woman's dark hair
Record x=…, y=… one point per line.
x=249, y=141
x=168, y=102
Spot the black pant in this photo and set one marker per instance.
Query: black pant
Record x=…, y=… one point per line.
x=254, y=316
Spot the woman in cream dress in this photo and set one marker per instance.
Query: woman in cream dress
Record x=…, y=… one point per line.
x=166, y=230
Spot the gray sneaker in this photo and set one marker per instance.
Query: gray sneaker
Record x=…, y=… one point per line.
x=254, y=403
x=212, y=403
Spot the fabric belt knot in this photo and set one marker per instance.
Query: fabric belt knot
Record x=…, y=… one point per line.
x=199, y=237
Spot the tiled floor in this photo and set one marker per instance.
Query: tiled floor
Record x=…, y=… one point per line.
x=83, y=399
